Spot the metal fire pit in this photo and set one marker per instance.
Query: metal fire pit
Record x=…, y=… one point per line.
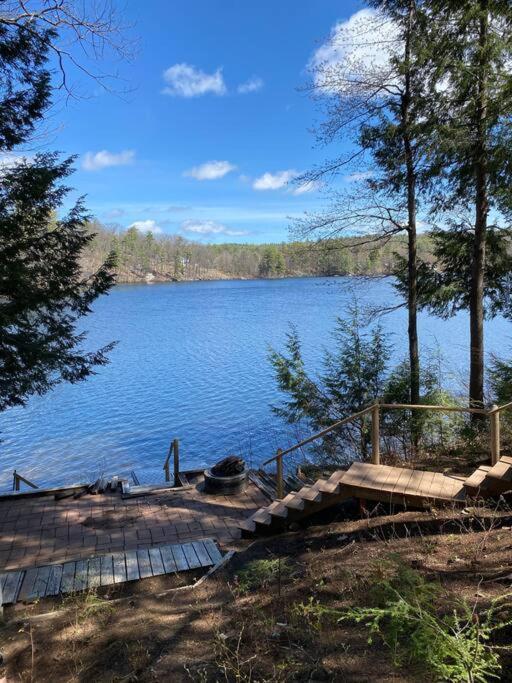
x=224, y=486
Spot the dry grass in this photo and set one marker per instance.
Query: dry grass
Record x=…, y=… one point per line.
x=221, y=633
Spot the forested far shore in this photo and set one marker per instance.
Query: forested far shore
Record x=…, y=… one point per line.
x=145, y=257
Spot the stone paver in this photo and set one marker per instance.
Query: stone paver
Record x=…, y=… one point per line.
x=39, y=531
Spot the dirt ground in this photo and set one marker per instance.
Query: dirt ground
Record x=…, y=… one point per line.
x=218, y=632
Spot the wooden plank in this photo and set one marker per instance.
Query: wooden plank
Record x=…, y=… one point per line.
x=202, y=553
x=68, y=577
x=499, y=470
x=414, y=485
x=402, y=481
x=41, y=583
x=119, y=564
x=436, y=489
x=476, y=479
x=107, y=570
x=144, y=564
x=53, y=585
x=212, y=550
x=11, y=587
x=132, y=566
x=94, y=573
x=157, y=566
x=179, y=558
x=426, y=484
x=168, y=559
x=190, y=554
x=80, y=582
x=27, y=585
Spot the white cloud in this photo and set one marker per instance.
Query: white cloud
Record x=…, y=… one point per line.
x=360, y=47
x=184, y=80
x=9, y=160
x=95, y=161
x=209, y=228
x=252, y=85
x=211, y=170
x=274, y=181
x=309, y=186
x=147, y=226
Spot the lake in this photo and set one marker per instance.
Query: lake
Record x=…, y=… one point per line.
x=191, y=363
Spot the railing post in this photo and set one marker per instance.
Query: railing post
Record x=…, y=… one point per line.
x=176, y=450
x=166, y=463
x=495, y=435
x=279, y=479
x=375, y=434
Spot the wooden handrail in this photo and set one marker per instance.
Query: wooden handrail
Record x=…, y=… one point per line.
x=16, y=478
x=319, y=435
x=446, y=409
x=498, y=409
x=382, y=406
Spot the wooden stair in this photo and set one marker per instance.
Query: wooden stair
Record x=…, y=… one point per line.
x=488, y=481
x=297, y=504
x=393, y=485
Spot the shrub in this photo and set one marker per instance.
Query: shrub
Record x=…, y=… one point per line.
x=454, y=646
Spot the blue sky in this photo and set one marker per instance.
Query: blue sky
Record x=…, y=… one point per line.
x=212, y=81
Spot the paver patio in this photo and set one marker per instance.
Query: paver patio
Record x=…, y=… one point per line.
x=40, y=530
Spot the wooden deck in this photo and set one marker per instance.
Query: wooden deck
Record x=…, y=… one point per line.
x=402, y=485
x=71, y=577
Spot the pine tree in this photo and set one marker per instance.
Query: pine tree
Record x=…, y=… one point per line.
x=42, y=291
x=381, y=103
x=472, y=50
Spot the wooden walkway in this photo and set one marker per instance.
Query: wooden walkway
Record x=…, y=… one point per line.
x=71, y=577
x=402, y=485
x=391, y=485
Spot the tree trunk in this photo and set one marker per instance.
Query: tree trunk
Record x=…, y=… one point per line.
x=476, y=306
x=412, y=266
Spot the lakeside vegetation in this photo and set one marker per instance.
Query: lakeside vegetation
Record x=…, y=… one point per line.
x=143, y=256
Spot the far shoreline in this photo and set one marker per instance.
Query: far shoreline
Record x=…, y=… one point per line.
x=161, y=281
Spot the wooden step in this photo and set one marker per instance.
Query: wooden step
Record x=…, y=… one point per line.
x=477, y=479
x=278, y=509
x=502, y=470
x=311, y=494
x=247, y=525
x=262, y=516
x=328, y=486
x=294, y=502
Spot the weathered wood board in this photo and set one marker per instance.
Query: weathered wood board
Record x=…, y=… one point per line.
x=71, y=577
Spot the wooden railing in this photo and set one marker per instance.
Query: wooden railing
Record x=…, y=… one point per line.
x=17, y=478
x=174, y=449
x=375, y=409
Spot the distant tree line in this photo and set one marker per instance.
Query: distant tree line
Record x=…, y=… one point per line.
x=172, y=257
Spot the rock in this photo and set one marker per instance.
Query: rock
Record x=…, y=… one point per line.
x=228, y=467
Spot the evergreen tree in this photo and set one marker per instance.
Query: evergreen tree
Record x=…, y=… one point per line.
x=354, y=376
x=42, y=291
x=472, y=51
x=381, y=102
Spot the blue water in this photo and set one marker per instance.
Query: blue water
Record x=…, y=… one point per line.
x=191, y=363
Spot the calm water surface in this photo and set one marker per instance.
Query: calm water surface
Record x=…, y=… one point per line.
x=192, y=363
